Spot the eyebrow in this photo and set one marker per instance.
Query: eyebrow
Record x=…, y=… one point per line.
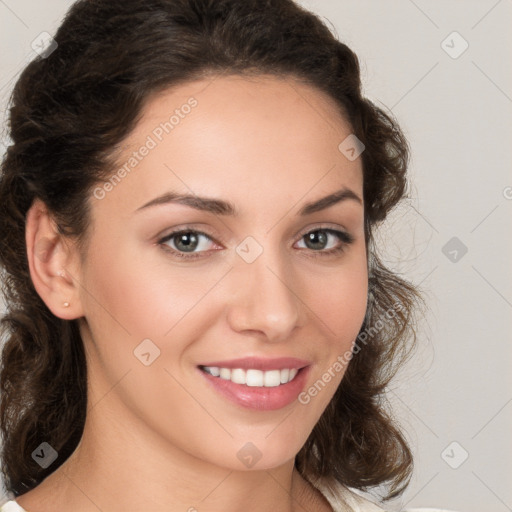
x=221, y=207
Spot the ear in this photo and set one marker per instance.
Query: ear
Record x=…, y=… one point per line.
x=53, y=262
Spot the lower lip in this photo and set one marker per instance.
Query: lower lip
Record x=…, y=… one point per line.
x=260, y=398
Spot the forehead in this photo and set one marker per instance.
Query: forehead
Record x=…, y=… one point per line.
x=247, y=137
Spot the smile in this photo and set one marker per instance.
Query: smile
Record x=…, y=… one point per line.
x=253, y=377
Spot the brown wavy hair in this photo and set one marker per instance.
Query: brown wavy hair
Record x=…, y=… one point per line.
x=71, y=108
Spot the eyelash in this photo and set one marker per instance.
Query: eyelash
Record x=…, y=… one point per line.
x=345, y=238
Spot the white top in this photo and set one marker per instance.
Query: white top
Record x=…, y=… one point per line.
x=11, y=506
x=344, y=499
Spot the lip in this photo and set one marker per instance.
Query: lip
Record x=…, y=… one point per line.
x=259, y=363
x=260, y=398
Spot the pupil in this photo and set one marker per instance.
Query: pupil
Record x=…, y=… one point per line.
x=189, y=241
x=317, y=235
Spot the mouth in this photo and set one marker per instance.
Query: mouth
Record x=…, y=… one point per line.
x=255, y=383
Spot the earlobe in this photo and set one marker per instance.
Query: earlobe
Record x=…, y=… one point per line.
x=52, y=263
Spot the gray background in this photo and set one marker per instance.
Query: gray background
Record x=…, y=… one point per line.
x=454, y=398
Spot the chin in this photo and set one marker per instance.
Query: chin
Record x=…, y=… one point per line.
x=267, y=452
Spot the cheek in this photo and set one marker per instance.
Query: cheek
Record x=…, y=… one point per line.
x=146, y=297
x=340, y=307
x=339, y=301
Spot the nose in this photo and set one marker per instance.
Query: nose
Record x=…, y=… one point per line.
x=263, y=300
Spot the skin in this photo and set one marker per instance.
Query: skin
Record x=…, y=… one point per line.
x=158, y=437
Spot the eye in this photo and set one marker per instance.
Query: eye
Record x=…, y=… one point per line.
x=184, y=242
x=190, y=243
x=318, y=239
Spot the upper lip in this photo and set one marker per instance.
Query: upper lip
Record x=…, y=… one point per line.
x=259, y=363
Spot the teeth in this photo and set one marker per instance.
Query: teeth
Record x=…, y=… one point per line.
x=253, y=378
x=214, y=371
x=272, y=378
x=225, y=373
x=238, y=376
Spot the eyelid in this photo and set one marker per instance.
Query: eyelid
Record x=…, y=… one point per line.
x=167, y=233
x=326, y=226
x=186, y=229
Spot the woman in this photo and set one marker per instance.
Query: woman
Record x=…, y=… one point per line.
x=197, y=317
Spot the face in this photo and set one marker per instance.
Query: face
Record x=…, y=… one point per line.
x=215, y=273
